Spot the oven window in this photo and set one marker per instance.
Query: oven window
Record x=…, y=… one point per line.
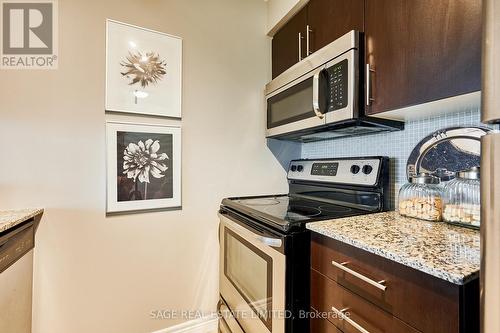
x=251, y=272
x=291, y=105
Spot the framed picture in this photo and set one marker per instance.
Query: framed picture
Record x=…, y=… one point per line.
x=143, y=167
x=143, y=71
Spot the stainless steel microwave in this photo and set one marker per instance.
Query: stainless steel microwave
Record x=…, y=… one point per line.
x=320, y=97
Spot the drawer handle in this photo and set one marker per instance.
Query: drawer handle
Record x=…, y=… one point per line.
x=343, y=316
x=378, y=284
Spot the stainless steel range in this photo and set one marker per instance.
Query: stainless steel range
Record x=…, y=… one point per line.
x=264, y=245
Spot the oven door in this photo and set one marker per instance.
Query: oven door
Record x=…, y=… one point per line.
x=298, y=105
x=252, y=276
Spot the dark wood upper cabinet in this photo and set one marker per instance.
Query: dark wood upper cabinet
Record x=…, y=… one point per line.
x=327, y=21
x=418, y=51
x=285, y=45
x=331, y=19
x=421, y=51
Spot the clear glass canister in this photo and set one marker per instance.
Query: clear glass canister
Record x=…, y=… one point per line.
x=421, y=198
x=444, y=175
x=462, y=199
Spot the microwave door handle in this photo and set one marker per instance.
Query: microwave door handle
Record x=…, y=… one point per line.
x=316, y=106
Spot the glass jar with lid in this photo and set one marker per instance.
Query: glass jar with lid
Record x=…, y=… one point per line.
x=444, y=175
x=462, y=199
x=421, y=198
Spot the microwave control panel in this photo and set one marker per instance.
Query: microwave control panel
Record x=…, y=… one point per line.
x=337, y=85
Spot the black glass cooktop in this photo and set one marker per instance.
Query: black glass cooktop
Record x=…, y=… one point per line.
x=286, y=212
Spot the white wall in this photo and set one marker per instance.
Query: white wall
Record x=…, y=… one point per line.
x=98, y=274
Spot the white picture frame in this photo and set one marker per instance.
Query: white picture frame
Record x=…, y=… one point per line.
x=143, y=163
x=143, y=71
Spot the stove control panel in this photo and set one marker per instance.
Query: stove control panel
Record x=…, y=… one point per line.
x=356, y=171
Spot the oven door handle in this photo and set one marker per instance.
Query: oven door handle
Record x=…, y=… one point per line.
x=316, y=94
x=272, y=242
x=269, y=241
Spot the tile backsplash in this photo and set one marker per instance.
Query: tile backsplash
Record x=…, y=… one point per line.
x=396, y=145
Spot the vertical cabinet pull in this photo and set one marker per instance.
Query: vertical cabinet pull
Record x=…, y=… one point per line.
x=308, y=38
x=369, y=98
x=308, y=46
x=300, y=46
x=341, y=314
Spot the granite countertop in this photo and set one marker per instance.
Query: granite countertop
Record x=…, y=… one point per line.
x=11, y=218
x=448, y=252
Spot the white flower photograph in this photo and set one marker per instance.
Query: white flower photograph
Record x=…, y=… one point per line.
x=143, y=167
x=143, y=71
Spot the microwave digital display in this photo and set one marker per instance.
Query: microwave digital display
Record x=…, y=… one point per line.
x=324, y=169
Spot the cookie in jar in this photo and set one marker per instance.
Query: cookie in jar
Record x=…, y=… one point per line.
x=422, y=198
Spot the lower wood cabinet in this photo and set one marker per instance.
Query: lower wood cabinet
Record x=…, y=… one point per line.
x=322, y=325
x=360, y=314
x=380, y=295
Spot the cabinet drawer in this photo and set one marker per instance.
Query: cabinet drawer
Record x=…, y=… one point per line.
x=319, y=325
x=328, y=296
x=425, y=302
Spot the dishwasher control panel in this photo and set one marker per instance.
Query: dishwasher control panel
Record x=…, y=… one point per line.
x=15, y=243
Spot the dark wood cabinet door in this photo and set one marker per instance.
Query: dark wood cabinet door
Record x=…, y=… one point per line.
x=285, y=43
x=331, y=19
x=422, y=51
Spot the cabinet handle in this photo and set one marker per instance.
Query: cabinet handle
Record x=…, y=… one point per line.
x=343, y=316
x=308, y=49
x=378, y=284
x=300, y=46
x=369, y=99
